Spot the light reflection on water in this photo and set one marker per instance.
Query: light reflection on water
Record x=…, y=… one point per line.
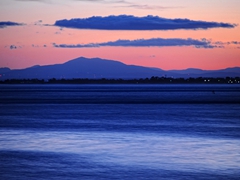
x=168, y=152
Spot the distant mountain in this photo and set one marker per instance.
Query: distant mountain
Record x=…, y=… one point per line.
x=4, y=70
x=85, y=68
x=192, y=72
x=189, y=71
x=100, y=68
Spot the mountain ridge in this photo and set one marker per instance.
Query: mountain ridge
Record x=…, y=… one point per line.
x=82, y=67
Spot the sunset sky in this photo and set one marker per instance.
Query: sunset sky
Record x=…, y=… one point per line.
x=168, y=34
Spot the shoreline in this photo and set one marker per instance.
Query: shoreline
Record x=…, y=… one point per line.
x=152, y=80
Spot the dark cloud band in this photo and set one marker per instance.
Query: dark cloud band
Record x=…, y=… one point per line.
x=9, y=23
x=154, y=42
x=126, y=22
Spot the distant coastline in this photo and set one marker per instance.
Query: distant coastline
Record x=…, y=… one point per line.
x=152, y=80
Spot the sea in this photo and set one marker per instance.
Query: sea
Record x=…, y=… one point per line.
x=123, y=132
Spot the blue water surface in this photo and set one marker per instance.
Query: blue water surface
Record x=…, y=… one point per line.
x=119, y=132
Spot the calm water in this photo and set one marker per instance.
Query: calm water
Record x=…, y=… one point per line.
x=119, y=132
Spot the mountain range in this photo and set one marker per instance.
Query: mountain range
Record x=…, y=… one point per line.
x=101, y=68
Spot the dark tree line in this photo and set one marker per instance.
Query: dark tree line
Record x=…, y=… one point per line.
x=152, y=80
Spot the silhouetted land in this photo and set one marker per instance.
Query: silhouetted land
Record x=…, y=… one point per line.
x=152, y=80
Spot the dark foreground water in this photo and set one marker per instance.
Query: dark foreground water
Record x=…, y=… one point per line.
x=119, y=132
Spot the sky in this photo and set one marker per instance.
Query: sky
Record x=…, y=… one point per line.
x=167, y=34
